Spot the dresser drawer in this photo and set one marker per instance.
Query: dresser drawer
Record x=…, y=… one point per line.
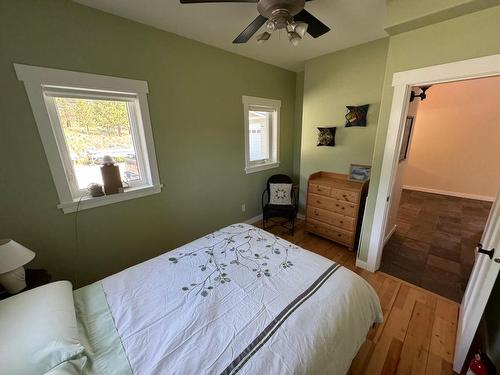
x=331, y=204
x=335, y=234
x=320, y=189
x=328, y=217
x=345, y=195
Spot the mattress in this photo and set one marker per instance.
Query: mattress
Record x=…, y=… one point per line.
x=239, y=300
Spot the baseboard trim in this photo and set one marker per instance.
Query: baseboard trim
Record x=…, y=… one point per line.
x=301, y=217
x=389, y=235
x=361, y=264
x=254, y=219
x=450, y=193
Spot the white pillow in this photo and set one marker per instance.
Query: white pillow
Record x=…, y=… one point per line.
x=39, y=330
x=280, y=193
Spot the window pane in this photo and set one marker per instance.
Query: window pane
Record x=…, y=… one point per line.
x=258, y=129
x=92, y=129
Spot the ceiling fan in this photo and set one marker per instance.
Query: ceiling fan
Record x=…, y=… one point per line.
x=289, y=15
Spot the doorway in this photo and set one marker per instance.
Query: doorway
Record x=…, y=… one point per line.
x=447, y=175
x=402, y=83
x=487, y=265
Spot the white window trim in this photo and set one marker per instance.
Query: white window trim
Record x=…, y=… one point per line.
x=37, y=78
x=252, y=101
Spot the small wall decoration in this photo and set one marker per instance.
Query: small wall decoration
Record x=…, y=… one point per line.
x=326, y=136
x=359, y=172
x=356, y=115
x=405, y=143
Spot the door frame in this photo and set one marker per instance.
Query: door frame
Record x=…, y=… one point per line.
x=402, y=83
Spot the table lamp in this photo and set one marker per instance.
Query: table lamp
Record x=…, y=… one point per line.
x=13, y=257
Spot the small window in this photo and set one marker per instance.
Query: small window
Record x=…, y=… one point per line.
x=91, y=126
x=261, y=133
x=80, y=125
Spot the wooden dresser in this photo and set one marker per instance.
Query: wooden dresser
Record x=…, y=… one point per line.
x=334, y=207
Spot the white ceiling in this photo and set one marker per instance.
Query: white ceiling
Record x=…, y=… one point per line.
x=352, y=22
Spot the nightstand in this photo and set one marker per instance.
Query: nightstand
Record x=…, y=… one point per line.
x=34, y=278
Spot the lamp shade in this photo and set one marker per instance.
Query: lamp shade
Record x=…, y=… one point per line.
x=13, y=255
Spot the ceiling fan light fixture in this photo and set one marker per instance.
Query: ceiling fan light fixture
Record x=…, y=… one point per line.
x=301, y=28
x=264, y=37
x=270, y=26
x=294, y=38
x=288, y=15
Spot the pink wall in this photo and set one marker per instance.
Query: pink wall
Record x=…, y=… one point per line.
x=456, y=139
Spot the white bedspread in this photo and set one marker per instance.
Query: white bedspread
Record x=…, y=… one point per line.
x=241, y=300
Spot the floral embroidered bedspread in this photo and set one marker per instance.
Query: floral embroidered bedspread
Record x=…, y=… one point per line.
x=240, y=300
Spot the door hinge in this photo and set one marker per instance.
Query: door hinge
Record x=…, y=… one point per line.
x=484, y=251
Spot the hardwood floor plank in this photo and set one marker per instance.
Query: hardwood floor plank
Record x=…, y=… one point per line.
x=395, y=328
x=315, y=244
x=415, y=350
x=387, y=296
x=444, y=330
x=415, y=287
x=392, y=359
x=360, y=363
x=437, y=365
x=446, y=368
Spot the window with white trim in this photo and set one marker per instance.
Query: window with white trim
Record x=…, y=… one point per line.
x=83, y=117
x=261, y=133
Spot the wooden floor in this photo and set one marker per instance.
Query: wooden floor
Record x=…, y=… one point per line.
x=434, y=244
x=419, y=329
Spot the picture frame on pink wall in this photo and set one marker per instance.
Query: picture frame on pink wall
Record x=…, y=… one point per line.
x=405, y=143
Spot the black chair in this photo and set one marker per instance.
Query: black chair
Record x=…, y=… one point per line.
x=288, y=212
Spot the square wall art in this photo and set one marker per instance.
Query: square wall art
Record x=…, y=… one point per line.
x=356, y=115
x=326, y=136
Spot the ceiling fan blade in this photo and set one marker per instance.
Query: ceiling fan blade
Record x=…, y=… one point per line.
x=250, y=30
x=316, y=27
x=216, y=1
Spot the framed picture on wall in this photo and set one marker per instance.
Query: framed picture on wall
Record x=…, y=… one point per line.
x=359, y=172
x=405, y=143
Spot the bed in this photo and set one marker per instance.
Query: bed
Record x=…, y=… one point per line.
x=239, y=300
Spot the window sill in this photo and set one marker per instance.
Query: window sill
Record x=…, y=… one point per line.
x=90, y=202
x=261, y=167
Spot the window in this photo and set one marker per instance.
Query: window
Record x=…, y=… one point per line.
x=83, y=117
x=261, y=133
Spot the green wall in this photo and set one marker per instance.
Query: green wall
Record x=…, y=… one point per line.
x=352, y=76
x=197, y=118
x=406, y=15
x=297, y=131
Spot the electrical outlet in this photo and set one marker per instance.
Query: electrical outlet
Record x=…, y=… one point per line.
x=243, y=207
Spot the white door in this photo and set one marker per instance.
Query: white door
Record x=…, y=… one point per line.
x=481, y=281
